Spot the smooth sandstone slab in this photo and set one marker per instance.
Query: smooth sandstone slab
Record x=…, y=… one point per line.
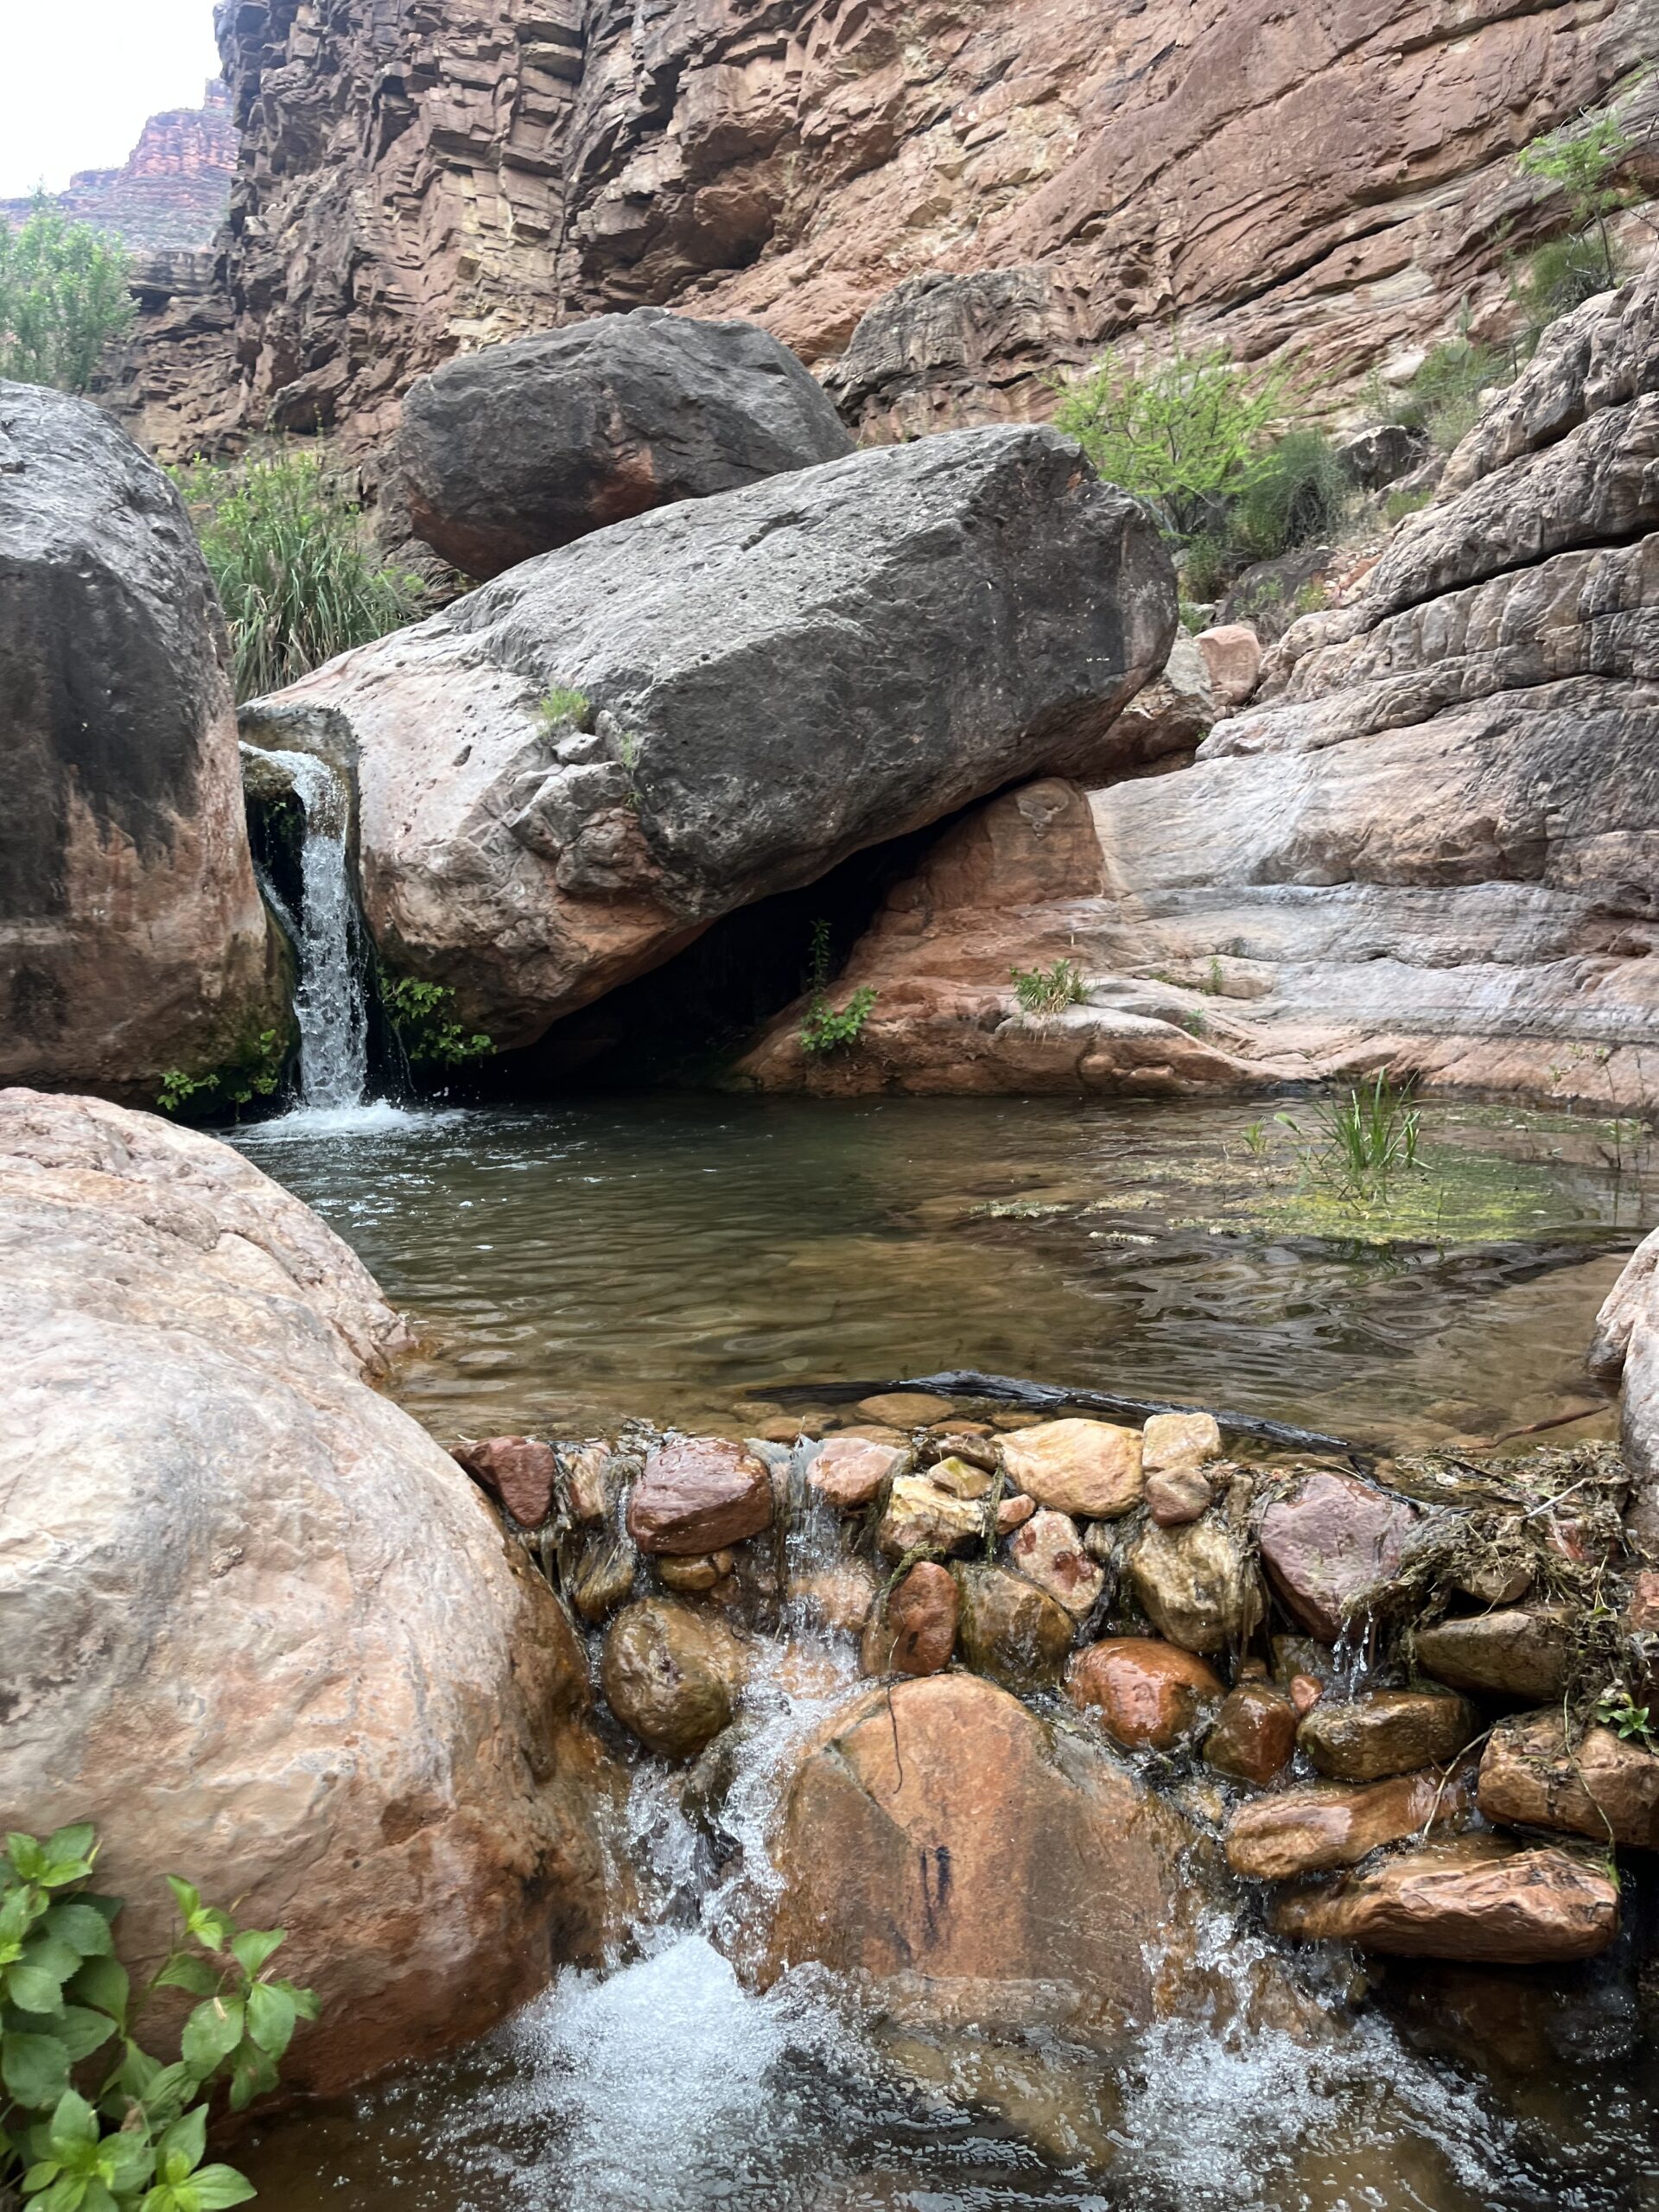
x=1090, y=1469
x=1316, y=1829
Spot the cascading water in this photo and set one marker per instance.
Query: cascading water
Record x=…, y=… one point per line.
x=329, y=1005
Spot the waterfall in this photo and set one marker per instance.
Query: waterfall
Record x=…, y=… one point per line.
x=329, y=1004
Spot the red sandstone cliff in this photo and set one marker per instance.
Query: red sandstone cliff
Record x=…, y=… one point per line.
x=172, y=190
x=427, y=174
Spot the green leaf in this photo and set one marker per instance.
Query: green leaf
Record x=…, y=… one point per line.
x=305, y=2001
x=252, y=2072
x=74, y=2124
x=67, y=2194
x=187, y=1899
x=139, y=2071
x=128, y=2160
x=52, y=1955
x=210, y=2033
x=254, y=1946
x=215, y=2187
x=109, y=1908
x=185, y=1971
x=27, y=1856
x=20, y=1910
x=35, y=2069
x=83, y=1927
x=33, y=1988
x=272, y=2015
x=179, y=2152
x=78, y=1841
x=102, y=1982
x=39, y=2176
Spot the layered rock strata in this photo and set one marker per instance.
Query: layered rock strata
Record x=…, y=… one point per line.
x=1431, y=843
x=566, y=776
x=132, y=936
x=1033, y=181
x=170, y=194
x=254, y=1623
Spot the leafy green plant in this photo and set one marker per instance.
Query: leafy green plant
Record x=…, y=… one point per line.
x=1049, y=990
x=64, y=297
x=627, y=752
x=1443, y=398
x=1256, y=1140
x=253, y=1070
x=421, y=1014
x=564, y=709
x=1184, y=434
x=1581, y=162
x=298, y=582
x=1616, y=1709
x=1296, y=494
x=132, y=2136
x=822, y=1028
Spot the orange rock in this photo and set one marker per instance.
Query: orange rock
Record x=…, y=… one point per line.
x=1602, y=1787
x=519, y=1471
x=1312, y=1831
x=1473, y=1897
x=1013, y=1512
x=1090, y=1468
x=916, y=1631
x=1149, y=1696
x=1305, y=1693
x=1048, y=1551
x=698, y=1494
x=1253, y=1736
x=1386, y=1732
x=849, y=1470
x=905, y=1409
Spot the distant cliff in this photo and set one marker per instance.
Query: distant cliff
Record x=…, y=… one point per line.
x=172, y=189
x=930, y=201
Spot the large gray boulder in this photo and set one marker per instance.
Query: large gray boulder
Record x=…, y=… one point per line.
x=1624, y=1353
x=506, y=453
x=132, y=938
x=768, y=681
x=253, y=1622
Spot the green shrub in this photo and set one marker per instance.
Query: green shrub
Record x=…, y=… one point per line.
x=824, y=1030
x=1581, y=162
x=64, y=297
x=284, y=541
x=1049, y=990
x=132, y=2135
x=564, y=709
x=421, y=1015
x=1297, y=495
x=253, y=1070
x=1184, y=434
x=1443, y=398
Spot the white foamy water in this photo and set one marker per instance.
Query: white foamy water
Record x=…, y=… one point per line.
x=329, y=1004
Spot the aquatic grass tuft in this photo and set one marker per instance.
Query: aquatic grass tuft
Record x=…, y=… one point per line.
x=1360, y=1143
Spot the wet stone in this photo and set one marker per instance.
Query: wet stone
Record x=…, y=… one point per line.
x=1195, y=1584
x=1255, y=1735
x=591, y=1476
x=836, y=1597
x=600, y=1575
x=515, y=1470
x=961, y=1477
x=697, y=1494
x=1386, y=1732
x=849, y=1470
x=1178, y=1496
x=1173, y=1441
x=1475, y=1898
x=905, y=1409
x=1316, y=1830
x=920, y=1515
x=1516, y=1654
x=1603, y=1787
x=915, y=1633
x=1088, y=1468
x=1011, y=1630
x=1146, y=1695
x=671, y=1674
x=1013, y=1512
x=1048, y=1551
x=1327, y=1540
x=693, y=1575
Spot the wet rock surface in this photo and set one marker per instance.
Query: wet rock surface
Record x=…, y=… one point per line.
x=514, y=450
x=521, y=1473
x=1089, y=1468
x=1471, y=1897
x=1196, y=1584
x=698, y=1494
x=1011, y=1630
x=1255, y=1735
x=132, y=938
x=1327, y=1541
x=915, y=1632
x=1048, y=1551
x=1386, y=1732
x=1147, y=1696
x=1601, y=1786
x=1513, y=1654
x=1313, y=1830
x=671, y=1674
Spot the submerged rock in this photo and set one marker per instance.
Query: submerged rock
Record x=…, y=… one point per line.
x=1316, y=1829
x=132, y=936
x=671, y=1674
x=697, y=1494
x=1012, y=1631
x=1196, y=1584
x=516, y=448
x=775, y=678
x=521, y=1473
x=915, y=1632
x=1254, y=1734
x=1386, y=1732
x=1603, y=1787
x=254, y=1622
x=1327, y=1541
x=1149, y=1696
x=849, y=1470
x=1089, y=1468
x=1470, y=1897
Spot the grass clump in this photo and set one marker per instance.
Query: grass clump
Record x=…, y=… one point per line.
x=1049, y=990
x=298, y=579
x=422, y=1015
x=132, y=2137
x=564, y=709
x=1443, y=399
x=825, y=1029
x=1358, y=1143
x=64, y=298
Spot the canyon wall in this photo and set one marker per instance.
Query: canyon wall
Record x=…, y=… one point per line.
x=932, y=200
x=171, y=194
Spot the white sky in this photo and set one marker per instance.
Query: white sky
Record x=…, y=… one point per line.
x=79, y=77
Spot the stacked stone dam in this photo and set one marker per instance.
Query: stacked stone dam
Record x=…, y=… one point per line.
x=1385, y=1699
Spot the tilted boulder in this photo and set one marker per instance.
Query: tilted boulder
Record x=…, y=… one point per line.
x=511, y=451
x=254, y=1622
x=132, y=938
x=775, y=677
x=1625, y=1351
